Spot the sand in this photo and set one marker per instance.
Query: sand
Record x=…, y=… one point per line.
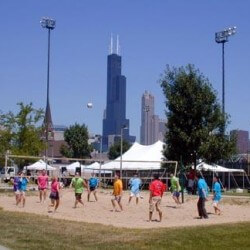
x=134, y=216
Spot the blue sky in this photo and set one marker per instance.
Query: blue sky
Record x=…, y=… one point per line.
x=152, y=34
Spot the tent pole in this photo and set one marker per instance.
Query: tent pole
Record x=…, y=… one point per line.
x=243, y=181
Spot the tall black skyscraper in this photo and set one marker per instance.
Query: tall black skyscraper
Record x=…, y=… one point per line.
x=115, y=112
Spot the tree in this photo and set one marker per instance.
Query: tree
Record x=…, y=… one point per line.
x=21, y=134
x=115, y=149
x=76, y=137
x=196, y=123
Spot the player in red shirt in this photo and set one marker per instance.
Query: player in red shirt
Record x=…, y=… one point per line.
x=42, y=182
x=156, y=189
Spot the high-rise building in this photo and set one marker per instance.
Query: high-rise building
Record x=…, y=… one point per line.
x=115, y=122
x=147, y=112
x=242, y=140
x=152, y=127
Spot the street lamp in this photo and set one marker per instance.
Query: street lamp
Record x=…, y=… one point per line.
x=123, y=127
x=147, y=109
x=49, y=24
x=222, y=37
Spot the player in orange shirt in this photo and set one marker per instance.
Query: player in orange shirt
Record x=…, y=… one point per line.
x=117, y=193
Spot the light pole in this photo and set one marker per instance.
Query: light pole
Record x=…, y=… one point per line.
x=49, y=24
x=222, y=37
x=147, y=109
x=123, y=127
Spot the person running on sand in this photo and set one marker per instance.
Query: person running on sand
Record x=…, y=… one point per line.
x=203, y=193
x=175, y=189
x=117, y=193
x=156, y=189
x=217, y=195
x=54, y=194
x=42, y=182
x=78, y=183
x=93, y=185
x=22, y=187
x=135, y=184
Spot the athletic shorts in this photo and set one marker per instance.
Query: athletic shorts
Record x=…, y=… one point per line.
x=176, y=194
x=54, y=196
x=117, y=198
x=41, y=189
x=215, y=203
x=17, y=192
x=21, y=192
x=92, y=189
x=155, y=202
x=78, y=196
x=137, y=195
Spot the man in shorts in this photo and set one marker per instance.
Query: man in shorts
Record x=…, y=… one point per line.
x=117, y=193
x=175, y=188
x=135, y=184
x=42, y=182
x=78, y=183
x=156, y=189
x=15, y=187
x=93, y=185
x=217, y=195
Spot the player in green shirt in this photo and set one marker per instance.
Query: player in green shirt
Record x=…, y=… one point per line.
x=175, y=188
x=78, y=183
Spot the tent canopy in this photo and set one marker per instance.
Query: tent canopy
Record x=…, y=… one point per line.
x=40, y=165
x=216, y=168
x=139, y=157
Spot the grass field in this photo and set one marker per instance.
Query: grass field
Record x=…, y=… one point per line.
x=28, y=231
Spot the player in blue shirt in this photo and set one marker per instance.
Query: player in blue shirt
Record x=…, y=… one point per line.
x=135, y=184
x=203, y=193
x=22, y=187
x=217, y=195
x=93, y=185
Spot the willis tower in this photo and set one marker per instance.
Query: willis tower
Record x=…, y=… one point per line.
x=115, y=122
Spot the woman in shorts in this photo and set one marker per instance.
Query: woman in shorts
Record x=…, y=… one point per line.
x=54, y=194
x=21, y=188
x=217, y=195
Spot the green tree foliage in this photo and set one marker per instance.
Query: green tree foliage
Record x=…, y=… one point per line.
x=115, y=149
x=20, y=133
x=76, y=137
x=195, y=121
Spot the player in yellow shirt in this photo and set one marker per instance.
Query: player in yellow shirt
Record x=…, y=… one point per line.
x=117, y=193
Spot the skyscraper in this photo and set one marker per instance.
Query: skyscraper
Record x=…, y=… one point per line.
x=242, y=140
x=152, y=128
x=115, y=122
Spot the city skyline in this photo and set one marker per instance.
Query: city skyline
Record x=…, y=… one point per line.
x=174, y=33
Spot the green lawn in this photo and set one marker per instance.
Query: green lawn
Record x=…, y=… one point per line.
x=28, y=231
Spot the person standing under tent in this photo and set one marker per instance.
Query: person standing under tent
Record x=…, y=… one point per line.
x=54, y=194
x=117, y=193
x=135, y=184
x=93, y=185
x=78, y=183
x=156, y=189
x=217, y=195
x=175, y=189
x=203, y=193
x=22, y=187
x=42, y=182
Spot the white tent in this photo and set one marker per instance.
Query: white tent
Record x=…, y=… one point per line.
x=139, y=157
x=40, y=165
x=219, y=169
x=216, y=168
